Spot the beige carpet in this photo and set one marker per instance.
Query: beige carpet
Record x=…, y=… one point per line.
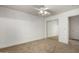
x=50, y=45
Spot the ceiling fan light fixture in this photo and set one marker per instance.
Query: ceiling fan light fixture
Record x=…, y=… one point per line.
x=43, y=12
x=46, y=12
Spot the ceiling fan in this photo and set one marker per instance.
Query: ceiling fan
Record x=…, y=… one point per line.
x=43, y=11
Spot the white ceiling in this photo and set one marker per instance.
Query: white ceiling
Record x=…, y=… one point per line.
x=53, y=9
x=56, y=9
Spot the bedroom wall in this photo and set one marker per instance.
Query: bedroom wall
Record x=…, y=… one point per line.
x=17, y=27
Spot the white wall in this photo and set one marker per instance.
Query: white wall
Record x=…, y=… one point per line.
x=52, y=28
x=64, y=24
x=63, y=30
x=74, y=27
x=18, y=27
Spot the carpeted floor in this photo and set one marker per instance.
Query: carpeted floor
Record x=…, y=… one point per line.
x=50, y=45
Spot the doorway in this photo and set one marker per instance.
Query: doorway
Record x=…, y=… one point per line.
x=74, y=30
x=74, y=27
x=52, y=29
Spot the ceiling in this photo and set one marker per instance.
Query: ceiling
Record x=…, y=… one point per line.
x=53, y=9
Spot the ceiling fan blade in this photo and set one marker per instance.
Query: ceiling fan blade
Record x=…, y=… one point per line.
x=45, y=8
x=37, y=9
